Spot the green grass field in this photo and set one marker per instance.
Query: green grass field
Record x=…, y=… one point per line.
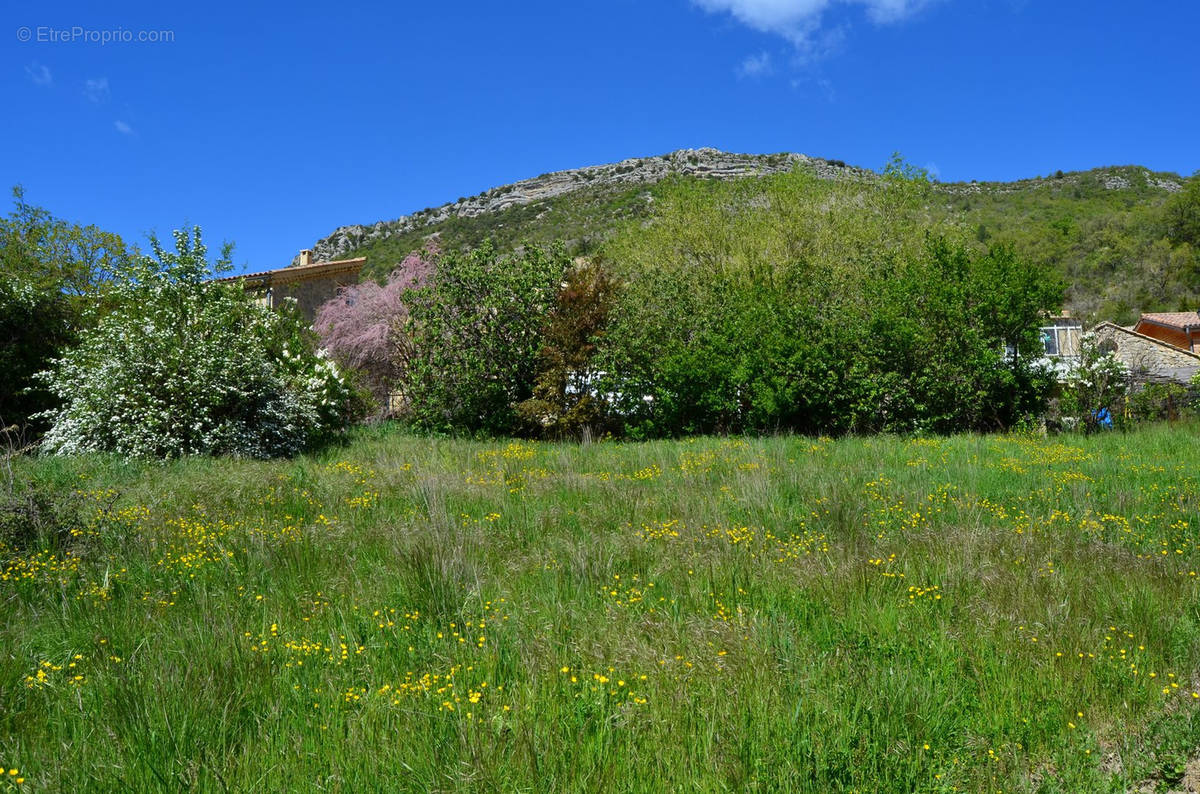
x=402, y=614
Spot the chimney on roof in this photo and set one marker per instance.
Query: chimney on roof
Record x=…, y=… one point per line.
x=305, y=257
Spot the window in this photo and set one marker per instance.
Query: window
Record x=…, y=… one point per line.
x=1050, y=340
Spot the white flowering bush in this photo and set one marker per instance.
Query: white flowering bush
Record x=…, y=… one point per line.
x=180, y=365
x=1095, y=383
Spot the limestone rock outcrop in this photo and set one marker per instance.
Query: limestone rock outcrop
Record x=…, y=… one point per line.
x=705, y=163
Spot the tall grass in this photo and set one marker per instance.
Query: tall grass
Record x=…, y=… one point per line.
x=882, y=614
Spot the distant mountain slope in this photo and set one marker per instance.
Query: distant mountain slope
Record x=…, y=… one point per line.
x=577, y=206
x=1096, y=227
x=1101, y=229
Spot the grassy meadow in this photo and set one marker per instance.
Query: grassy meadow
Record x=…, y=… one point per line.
x=973, y=613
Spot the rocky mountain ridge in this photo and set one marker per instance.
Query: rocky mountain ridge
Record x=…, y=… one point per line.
x=1124, y=177
x=595, y=193
x=705, y=163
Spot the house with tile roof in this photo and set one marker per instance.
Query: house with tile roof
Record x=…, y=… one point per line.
x=1181, y=329
x=1148, y=358
x=309, y=283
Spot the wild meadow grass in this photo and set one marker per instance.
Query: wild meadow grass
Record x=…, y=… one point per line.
x=1000, y=613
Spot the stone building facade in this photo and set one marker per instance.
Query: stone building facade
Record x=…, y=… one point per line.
x=1149, y=360
x=310, y=283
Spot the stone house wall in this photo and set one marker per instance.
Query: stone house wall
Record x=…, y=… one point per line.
x=310, y=284
x=311, y=293
x=1148, y=359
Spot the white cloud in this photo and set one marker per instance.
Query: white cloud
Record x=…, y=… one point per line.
x=756, y=65
x=799, y=20
x=123, y=128
x=792, y=19
x=885, y=11
x=96, y=89
x=39, y=74
x=822, y=86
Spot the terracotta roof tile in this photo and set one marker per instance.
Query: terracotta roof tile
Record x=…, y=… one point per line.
x=1173, y=319
x=294, y=273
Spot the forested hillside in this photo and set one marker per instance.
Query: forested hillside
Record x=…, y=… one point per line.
x=1120, y=237
x=1125, y=239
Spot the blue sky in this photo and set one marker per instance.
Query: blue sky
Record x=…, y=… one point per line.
x=271, y=127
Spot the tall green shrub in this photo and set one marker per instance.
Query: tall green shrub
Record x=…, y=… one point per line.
x=35, y=326
x=50, y=270
x=468, y=349
x=565, y=401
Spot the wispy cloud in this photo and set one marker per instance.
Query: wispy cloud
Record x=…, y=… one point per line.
x=123, y=128
x=885, y=11
x=39, y=74
x=96, y=89
x=815, y=86
x=800, y=21
x=756, y=65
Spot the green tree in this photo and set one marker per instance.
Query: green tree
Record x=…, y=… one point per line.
x=55, y=256
x=565, y=401
x=944, y=322
x=1009, y=296
x=50, y=270
x=468, y=349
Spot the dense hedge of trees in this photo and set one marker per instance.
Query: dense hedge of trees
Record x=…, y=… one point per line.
x=781, y=304
x=798, y=304
x=470, y=341
x=786, y=303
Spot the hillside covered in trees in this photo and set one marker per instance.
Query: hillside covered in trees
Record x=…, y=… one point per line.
x=1124, y=239
x=786, y=302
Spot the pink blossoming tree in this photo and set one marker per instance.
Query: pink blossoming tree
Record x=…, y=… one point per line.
x=356, y=327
